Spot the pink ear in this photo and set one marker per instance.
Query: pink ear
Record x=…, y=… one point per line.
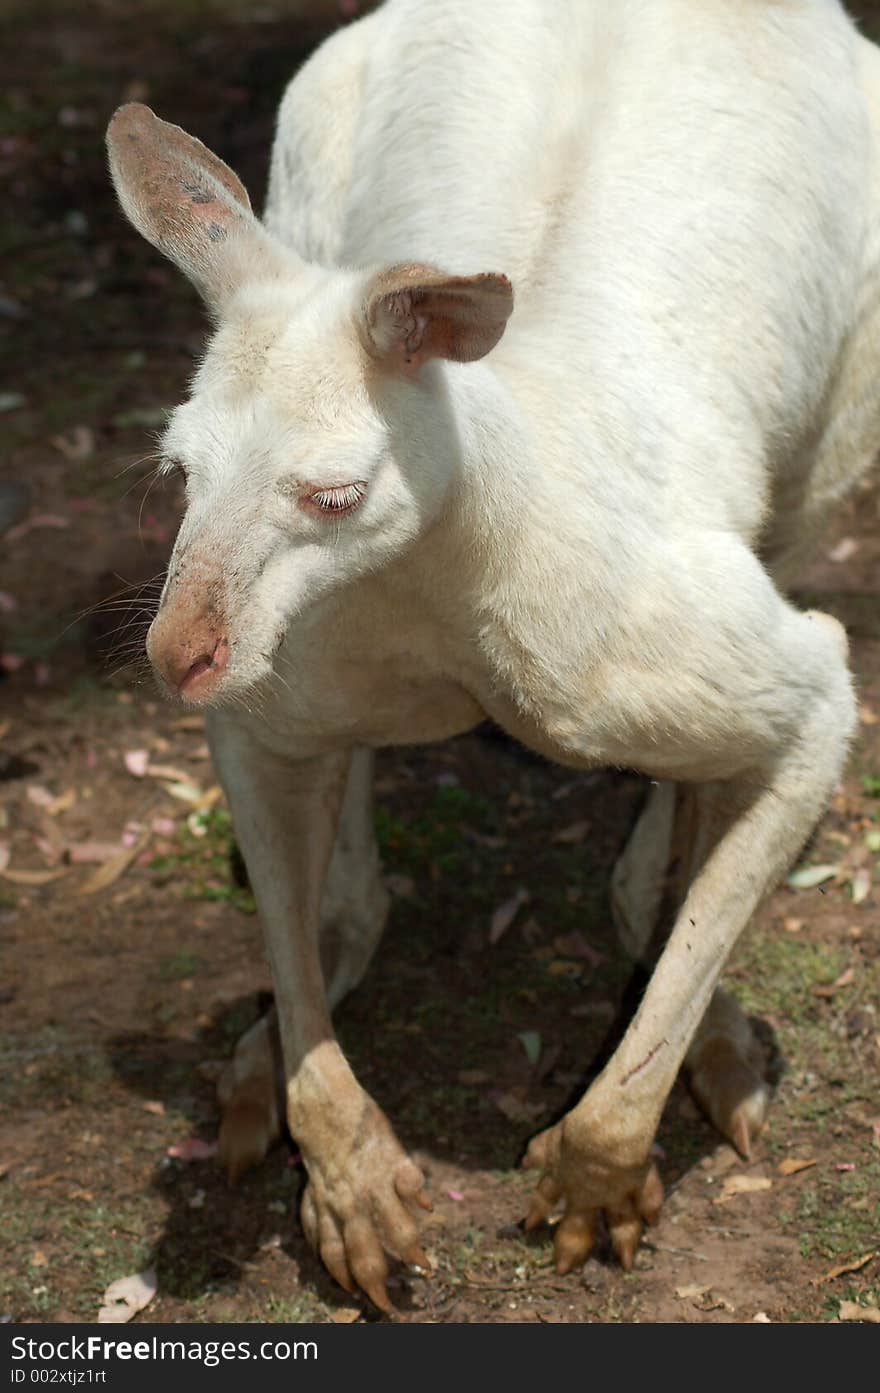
x=413, y=313
x=184, y=200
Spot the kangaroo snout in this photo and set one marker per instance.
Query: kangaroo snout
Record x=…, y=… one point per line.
x=189, y=655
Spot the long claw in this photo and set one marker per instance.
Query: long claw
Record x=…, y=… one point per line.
x=625, y=1230
x=544, y=1200
x=423, y=1199
x=417, y=1257
x=651, y=1198
x=573, y=1241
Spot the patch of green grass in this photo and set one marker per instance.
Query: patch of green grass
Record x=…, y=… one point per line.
x=871, y=785
x=203, y=863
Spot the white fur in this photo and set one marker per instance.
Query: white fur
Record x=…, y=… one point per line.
x=578, y=535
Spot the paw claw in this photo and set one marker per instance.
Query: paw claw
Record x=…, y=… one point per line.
x=573, y=1241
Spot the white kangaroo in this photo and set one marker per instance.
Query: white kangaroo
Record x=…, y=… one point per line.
x=410, y=506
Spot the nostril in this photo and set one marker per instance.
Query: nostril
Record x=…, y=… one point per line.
x=214, y=661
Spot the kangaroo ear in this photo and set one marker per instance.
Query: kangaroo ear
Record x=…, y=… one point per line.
x=187, y=203
x=413, y=313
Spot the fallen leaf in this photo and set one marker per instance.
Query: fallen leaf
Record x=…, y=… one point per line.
x=792, y=926
x=166, y=771
x=761, y=1318
x=346, y=1315
x=861, y=885
x=851, y=1310
x=38, y=1258
x=846, y=547
x=39, y=796
x=126, y=1296
x=62, y=803
x=111, y=870
x=136, y=762
x=193, y=1149
x=791, y=1166
x=574, y=834
x=867, y=716
x=505, y=914
x=77, y=444
x=692, y=1293
x=855, y=1266
x=808, y=877
x=531, y=1043
x=155, y=1107
x=515, y=1109
x=90, y=853
x=32, y=877
x=742, y=1185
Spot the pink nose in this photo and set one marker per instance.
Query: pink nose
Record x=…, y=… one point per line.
x=190, y=660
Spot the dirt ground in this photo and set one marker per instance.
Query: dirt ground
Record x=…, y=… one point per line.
x=130, y=959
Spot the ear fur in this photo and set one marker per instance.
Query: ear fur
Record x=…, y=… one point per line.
x=185, y=201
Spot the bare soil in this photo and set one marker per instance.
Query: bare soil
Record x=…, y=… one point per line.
x=116, y=1003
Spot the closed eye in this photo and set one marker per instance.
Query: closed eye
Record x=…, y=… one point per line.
x=341, y=498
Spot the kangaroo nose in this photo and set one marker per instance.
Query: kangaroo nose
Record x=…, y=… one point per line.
x=205, y=664
x=189, y=658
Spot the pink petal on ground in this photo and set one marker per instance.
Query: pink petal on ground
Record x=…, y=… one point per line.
x=455, y=1195
x=11, y=662
x=193, y=1149
x=845, y=1166
x=164, y=826
x=8, y=603
x=136, y=762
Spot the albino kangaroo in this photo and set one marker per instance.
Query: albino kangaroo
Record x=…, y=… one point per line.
x=412, y=506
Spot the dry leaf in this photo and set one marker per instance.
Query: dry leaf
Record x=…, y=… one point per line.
x=166, y=771
x=867, y=716
x=851, y=1310
x=346, y=1315
x=691, y=1293
x=193, y=1149
x=855, y=1266
x=808, y=877
x=111, y=870
x=91, y=853
x=155, y=1107
x=62, y=802
x=846, y=547
x=742, y=1185
x=125, y=1297
x=761, y=1318
x=32, y=877
x=505, y=914
x=861, y=885
x=515, y=1109
x=39, y=795
x=573, y=835
x=791, y=1166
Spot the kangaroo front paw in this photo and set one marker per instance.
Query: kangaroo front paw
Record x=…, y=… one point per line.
x=575, y=1175
x=358, y=1207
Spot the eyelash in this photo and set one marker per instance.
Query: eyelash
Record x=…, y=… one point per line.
x=343, y=498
